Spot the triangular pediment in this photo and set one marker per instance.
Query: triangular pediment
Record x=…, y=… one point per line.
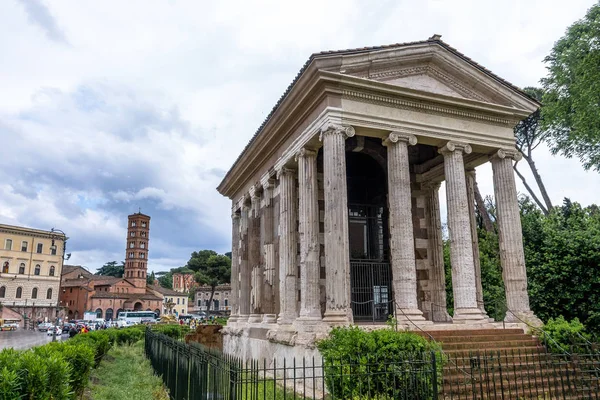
x=433, y=69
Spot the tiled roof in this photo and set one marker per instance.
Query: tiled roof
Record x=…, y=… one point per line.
x=434, y=39
x=208, y=289
x=168, y=292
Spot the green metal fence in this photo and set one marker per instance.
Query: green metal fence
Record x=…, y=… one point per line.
x=194, y=372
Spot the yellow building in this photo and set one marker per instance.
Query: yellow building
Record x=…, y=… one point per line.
x=31, y=263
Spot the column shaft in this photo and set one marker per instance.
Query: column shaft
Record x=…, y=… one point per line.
x=435, y=254
x=268, y=254
x=310, y=307
x=470, y=177
x=337, y=248
x=402, y=243
x=235, y=266
x=510, y=238
x=287, y=246
x=244, y=303
x=459, y=227
x=254, y=253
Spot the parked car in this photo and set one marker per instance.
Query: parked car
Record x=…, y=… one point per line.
x=67, y=327
x=56, y=329
x=44, y=327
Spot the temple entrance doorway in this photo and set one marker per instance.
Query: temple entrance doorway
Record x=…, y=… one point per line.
x=370, y=272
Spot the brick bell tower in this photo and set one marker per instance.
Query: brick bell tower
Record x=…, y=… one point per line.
x=136, y=255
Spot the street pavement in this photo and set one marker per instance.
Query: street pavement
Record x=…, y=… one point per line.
x=22, y=339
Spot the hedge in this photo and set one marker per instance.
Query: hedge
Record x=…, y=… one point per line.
x=58, y=370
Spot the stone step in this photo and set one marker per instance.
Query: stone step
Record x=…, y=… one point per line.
x=464, y=353
x=471, y=332
x=481, y=338
x=481, y=346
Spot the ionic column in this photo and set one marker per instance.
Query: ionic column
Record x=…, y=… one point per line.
x=435, y=254
x=268, y=251
x=470, y=177
x=287, y=246
x=244, y=303
x=235, y=266
x=337, y=247
x=402, y=242
x=459, y=227
x=254, y=252
x=310, y=307
x=510, y=238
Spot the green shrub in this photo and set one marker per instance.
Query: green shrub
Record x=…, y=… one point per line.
x=81, y=358
x=382, y=363
x=561, y=335
x=172, y=330
x=10, y=384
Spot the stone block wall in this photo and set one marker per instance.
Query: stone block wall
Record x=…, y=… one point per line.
x=423, y=263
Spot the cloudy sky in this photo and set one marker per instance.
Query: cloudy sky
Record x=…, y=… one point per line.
x=110, y=106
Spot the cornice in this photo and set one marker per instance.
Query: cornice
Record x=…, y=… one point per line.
x=25, y=232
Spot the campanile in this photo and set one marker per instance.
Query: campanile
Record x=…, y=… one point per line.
x=136, y=255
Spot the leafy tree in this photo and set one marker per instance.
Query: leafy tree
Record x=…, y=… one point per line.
x=165, y=279
x=563, y=255
x=529, y=136
x=112, y=269
x=211, y=269
x=571, y=112
x=150, y=278
x=228, y=254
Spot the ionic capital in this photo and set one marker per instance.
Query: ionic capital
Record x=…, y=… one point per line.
x=512, y=154
x=255, y=192
x=284, y=171
x=334, y=129
x=400, y=137
x=305, y=153
x=451, y=147
x=431, y=186
x=235, y=215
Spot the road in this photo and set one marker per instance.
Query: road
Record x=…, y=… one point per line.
x=21, y=339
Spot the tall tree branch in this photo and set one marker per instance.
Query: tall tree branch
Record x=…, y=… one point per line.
x=530, y=190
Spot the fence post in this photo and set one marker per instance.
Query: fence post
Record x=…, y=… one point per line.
x=435, y=377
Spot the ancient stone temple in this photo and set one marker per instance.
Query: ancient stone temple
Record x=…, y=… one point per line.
x=335, y=204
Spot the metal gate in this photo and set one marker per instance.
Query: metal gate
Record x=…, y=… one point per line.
x=371, y=290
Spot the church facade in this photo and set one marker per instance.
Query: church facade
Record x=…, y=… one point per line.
x=336, y=206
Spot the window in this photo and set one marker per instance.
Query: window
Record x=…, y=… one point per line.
x=37, y=269
x=2, y=291
x=143, y=234
x=8, y=244
x=143, y=245
x=216, y=304
x=178, y=300
x=130, y=255
x=49, y=294
x=23, y=246
x=131, y=245
x=182, y=301
x=132, y=234
x=40, y=248
x=143, y=224
x=19, y=292
x=71, y=290
x=34, y=293
x=5, y=267
x=132, y=223
x=22, y=268
x=51, y=273
x=226, y=302
x=142, y=255
x=199, y=303
x=53, y=250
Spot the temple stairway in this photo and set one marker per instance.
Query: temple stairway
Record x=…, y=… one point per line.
x=509, y=364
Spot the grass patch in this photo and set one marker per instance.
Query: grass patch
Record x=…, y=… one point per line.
x=125, y=374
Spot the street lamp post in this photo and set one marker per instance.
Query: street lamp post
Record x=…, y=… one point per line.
x=53, y=235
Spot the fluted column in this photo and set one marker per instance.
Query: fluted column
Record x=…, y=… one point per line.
x=459, y=227
x=402, y=242
x=337, y=247
x=254, y=252
x=437, y=278
x=310, y=307
x=510, y=238
x=270, y=274
x=287, y=245
x=244, y=303
x=235, y=266
x=470, y=177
